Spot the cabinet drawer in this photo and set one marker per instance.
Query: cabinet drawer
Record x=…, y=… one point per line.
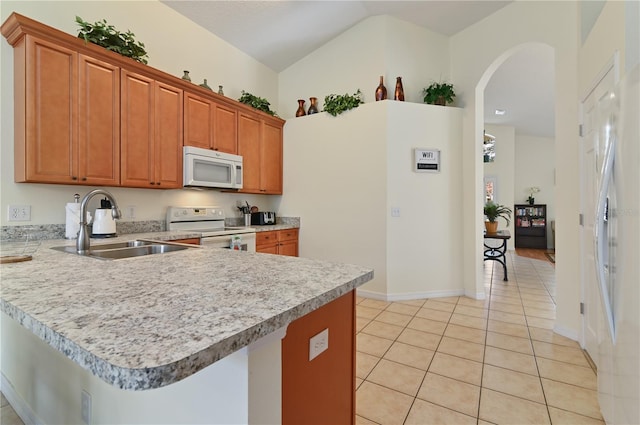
x=288, y=235
x=266, y=238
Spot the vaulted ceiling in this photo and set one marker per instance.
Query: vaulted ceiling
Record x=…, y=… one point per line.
x=279, y=33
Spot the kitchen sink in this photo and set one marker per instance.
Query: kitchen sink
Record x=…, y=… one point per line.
x=129, y=249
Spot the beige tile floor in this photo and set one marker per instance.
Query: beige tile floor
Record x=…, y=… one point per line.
x=457, y=360
x=8, y=416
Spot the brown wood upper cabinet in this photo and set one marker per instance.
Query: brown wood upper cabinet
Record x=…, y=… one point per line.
x=68, y=132
x=209, y=124
x=86, y=115
x=260, y=144
x=151, y=133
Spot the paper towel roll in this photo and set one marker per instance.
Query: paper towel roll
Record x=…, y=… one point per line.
x=72, y=224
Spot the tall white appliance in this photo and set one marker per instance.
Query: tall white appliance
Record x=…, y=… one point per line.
x=617, y=250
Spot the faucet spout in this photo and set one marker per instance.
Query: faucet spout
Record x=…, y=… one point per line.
x=83, y=244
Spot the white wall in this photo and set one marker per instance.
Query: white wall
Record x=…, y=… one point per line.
x=185, y=46
x=380, y=45
x=504, y=169
x=535, y=166
x=424, y=243
x=335, y=179
x=344, y=174
x=476, y=52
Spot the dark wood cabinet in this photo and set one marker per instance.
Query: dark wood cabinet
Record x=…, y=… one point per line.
x=530, y=226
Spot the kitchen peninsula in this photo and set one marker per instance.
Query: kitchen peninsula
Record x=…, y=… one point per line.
x=198, y=330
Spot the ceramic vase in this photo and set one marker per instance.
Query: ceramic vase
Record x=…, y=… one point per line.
x=313, y=108
x=205, y=85
x=220, y=92
x=300, y=112
x=399, y=93
x=186, y=76
x=381, y=91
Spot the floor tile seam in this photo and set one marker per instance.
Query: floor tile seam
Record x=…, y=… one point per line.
x=579, y=414
x=407, y=365
x=395, y=389
x=520, y=397
x=543, y=356
x=568, y=383
x=509, y=349
x=449, y=408
x=430, y=363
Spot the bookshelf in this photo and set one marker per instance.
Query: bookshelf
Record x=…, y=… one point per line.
x=530, y=226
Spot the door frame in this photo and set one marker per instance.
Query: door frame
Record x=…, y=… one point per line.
x=612, y=65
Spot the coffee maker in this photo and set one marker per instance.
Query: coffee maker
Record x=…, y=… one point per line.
x=104, y=225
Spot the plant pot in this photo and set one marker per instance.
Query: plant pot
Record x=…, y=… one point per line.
x=531, y=200
x=491, y=227
x=440, y=101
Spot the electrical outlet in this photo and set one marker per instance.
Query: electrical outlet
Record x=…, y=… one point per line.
x=130, y=212
x=318, y=344
x=395, y=212
x=19, y=213
x=85, y=409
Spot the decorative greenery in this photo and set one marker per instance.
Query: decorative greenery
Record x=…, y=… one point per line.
x=107, y=36
x=259, y=103
x=439, y=93
x=494, y=211
x=337, y=104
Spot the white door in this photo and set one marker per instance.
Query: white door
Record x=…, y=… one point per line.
x=592, y=149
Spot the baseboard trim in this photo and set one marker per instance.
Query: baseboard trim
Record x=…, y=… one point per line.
x=409, y=295
x=22, y=409
x=566, y=332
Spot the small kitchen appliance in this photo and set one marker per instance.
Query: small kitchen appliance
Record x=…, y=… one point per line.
x=263, y=218
x=104, y=225
x=209, y=222
x=213, y=169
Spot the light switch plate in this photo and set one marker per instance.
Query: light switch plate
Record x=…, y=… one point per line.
x=318, y=344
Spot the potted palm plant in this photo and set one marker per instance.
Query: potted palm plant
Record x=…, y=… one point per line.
x=493, y=211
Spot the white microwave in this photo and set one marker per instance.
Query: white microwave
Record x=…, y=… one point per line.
x=207, y=168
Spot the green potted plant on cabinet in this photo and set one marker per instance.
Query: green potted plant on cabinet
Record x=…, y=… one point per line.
x=494, y=211
x=439, y=94
x=107, y=36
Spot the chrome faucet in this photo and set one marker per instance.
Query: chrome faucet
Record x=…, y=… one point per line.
x=83, y=243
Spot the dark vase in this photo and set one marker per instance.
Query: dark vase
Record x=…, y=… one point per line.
x=300, y=112
x=313, y=108
x=399, y=93
x=531, y=200
x=381, y=91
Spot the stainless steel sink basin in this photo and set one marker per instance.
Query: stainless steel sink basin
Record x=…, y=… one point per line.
x=129, y=249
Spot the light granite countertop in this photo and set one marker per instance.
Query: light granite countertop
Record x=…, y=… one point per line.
x=146, y=322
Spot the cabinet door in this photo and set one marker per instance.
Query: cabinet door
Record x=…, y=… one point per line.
x=168, y=137
x=225, y=129
x=137, y=130
x=99, y=122
x=198, y=121
x=46, y=139
x=289, y=248
x=271, y=159
x=249, y=148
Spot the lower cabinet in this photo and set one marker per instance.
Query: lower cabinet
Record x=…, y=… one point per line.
x=282, y=242
x=191, y=241
x=321, y=390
